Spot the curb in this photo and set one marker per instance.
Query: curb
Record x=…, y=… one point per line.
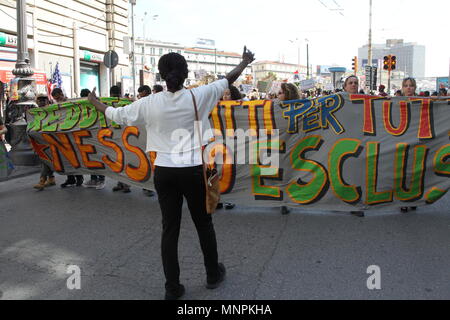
x=20, y=172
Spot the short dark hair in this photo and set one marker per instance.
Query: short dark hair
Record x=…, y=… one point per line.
x=84, y=93
x=158, y=88
x=57, y=91
x=144, y=88
x=173, y=69
x=115, y=91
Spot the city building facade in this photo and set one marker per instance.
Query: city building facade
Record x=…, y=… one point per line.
x=202, y=62
x=410, y=56
x=73, y=34
x=282, y=71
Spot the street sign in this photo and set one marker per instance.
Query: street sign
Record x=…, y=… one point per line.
x=111, y=59
x=7, y=40
x=371, y=77
x=91, y=56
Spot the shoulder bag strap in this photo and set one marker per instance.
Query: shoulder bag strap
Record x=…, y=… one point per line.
x=197, y=120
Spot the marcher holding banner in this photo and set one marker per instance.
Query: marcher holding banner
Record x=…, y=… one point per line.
x=230, y=94
x=47, y=178
x=5, y=164
x=409, y=88
x=288, y=91
x=351, y=85
x=163, y=114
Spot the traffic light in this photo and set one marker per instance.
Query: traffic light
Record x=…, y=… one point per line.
x=386, y=63
x=393, y=62
x=355, y=64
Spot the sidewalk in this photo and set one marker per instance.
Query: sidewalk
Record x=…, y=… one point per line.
x=20, y=171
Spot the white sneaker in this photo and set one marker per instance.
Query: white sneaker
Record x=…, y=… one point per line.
x=90, y=184
x=100, y=185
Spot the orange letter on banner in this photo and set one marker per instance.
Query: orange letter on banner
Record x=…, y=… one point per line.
x=404, y=118
x=216, y=120
x=141, y=173
x=230, y=124
x=64, y=146
x=228, y=177
x=426, y=129
x=86, y=149
x=369, y=119
x=116, y=166
x=269, y=121
x=252, y=107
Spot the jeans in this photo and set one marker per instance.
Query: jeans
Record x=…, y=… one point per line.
x=46, y=171
x=171, y=185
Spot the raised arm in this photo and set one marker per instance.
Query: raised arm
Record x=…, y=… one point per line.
x=247, y=58
x=92, y=97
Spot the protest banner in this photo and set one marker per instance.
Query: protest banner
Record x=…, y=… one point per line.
x=338, y=152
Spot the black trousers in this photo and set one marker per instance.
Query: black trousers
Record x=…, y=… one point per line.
x=171, y=185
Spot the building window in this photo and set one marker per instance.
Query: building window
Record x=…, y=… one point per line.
x=160, y=51
x=152, y=61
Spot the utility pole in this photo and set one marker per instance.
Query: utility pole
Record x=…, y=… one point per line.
x=307, y=58
x=143, y=42
x=298, y=55
x=133, y=3
x=21, y=153
x=370, y=35
x=215, y=62
x=76, y=61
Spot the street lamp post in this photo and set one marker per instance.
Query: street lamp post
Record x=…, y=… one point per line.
x=307, y=58
x=370, y=35
x=144, y=37
x=133, y=62
x=215, y=62
x=143, y=42
x=298, y=55
x=21, y=152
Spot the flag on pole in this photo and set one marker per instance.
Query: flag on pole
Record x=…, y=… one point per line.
x=56, y=77
x=54, y=82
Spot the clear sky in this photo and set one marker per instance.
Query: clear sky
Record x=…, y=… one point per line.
x=335, y=29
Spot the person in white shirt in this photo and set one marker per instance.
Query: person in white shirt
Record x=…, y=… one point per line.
x=178, y=166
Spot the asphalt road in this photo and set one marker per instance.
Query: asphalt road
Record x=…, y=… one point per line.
x=115, y=241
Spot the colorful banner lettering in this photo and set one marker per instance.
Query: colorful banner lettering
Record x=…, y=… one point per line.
x=338, y=152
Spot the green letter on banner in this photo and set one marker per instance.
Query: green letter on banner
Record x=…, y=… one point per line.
x=307, y=193
x=339, y=152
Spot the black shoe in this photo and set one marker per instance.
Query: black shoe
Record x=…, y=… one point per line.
x=284, y=210
x=148, y=193
x=229, y=206
x=215, y=283
x=219, y=206
x=358, y=213
x=80, y=181
x=118, y=187
x=70, y=182
x=126, y=190
x=404, y=209
x=175, y=295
